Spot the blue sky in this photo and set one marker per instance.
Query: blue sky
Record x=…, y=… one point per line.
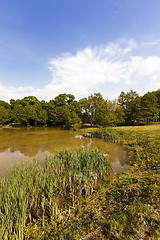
x=48, y=47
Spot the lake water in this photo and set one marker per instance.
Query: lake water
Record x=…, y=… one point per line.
x=23, y=144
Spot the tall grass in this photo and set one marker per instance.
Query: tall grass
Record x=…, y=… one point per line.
x=40, y=192
x=106, y=134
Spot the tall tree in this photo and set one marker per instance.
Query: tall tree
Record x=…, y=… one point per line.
x=4, y=115
x=51, y=112
x=66, y=109
x=157, y=94
x=84, y=110
x=4, y=104
x=28, y=112
x=150, y=110
x=96, y=110
x=131, y=103
x=119, y=115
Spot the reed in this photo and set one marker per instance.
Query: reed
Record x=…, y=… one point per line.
x=126, y=206
x=39, y=192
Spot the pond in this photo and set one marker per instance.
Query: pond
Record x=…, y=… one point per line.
x=23, y=144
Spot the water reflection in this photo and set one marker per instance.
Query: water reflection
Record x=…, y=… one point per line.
x=23, y=144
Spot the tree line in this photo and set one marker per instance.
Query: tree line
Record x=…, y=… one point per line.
x=64, y=110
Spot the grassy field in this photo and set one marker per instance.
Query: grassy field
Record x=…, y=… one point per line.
x=125, y=206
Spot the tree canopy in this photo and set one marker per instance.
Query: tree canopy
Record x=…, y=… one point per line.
x=64, y=110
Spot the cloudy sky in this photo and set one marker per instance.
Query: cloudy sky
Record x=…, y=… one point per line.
x=48, y=47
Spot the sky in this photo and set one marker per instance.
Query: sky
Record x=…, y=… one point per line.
x=80, y=47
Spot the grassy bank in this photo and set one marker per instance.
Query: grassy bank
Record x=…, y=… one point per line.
x=143, y=140
x=87, y=204
x=130, y=208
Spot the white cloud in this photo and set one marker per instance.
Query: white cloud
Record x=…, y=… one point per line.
x=81, y=73
x=8, y=93
x=156, y=42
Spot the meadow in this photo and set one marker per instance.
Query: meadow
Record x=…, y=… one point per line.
x=74, y=196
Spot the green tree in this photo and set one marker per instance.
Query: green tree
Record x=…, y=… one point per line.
x=131, y=103
x=51, y=112
x=119, y=115
x=31, y=100
x=157, y=94
x=96, y=110
x=4, y=115
x=28, y=112
x=66, y=110
x=17, y=114
x=65, y=117
x=150, y=110
x=64, y=99
x=41, y=115
x=4, y=104
x=14, y=103
x=84, y=110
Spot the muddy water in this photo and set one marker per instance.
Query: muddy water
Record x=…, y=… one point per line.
x=23, y=144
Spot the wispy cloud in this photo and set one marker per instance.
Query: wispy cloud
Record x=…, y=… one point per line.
x=81, y=73
x=153, y=43
x=8, y=93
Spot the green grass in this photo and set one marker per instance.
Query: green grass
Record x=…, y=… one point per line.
x=132, y=199
x=125, y=206
x=42, y=192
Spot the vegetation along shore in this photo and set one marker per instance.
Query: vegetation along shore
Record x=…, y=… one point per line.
x=73, y=194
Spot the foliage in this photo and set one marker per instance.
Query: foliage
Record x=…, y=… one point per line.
x=4, y=104
x=4, y=115
x=107, y=134
x=97, y=111
x=157, y=94
x=150, y=107
x=130, y=102
x=28, y=114
x=65, y=111
x=138, y=109
x=42, y=192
